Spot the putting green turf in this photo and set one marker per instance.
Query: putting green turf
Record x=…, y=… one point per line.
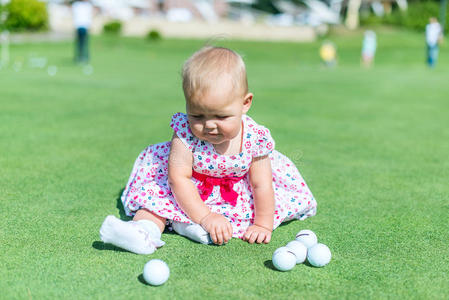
x=371, y=144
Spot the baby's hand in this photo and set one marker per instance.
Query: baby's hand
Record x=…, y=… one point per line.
x=257, y=234
x=219, y=228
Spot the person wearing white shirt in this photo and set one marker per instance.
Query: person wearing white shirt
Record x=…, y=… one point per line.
x=434, y=35
x=82, y=11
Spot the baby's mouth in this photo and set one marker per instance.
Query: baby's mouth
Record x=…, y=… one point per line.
x=212, y=133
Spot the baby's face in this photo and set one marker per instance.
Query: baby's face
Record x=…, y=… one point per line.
x=216, y=116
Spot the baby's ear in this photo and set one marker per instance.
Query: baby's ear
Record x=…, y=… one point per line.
x=247, y=101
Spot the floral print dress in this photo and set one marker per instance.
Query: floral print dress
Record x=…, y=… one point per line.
x=148, y=184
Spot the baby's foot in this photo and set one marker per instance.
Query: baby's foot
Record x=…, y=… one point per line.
x=193, y=231
x=130, y=236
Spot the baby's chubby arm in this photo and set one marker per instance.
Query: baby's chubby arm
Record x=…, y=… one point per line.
x=187, y=197
x=261, y=181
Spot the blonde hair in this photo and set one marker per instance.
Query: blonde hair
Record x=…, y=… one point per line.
x=201, y=71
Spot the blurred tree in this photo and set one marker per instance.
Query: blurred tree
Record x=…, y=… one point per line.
x=352, y=15
x=443, y=10
x=266, y=5
x=26, y=15
x=416, y=17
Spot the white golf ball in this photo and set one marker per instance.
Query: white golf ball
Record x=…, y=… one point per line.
x=156, y=272
x=299, y=249
x=52, y=70
x=88, y=70
x=284, y=259
x=319, y=255
x=307, y=237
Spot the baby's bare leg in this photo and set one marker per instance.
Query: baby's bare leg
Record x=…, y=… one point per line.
x=144, y=214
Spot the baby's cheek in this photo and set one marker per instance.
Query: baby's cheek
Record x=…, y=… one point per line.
x=229, y=130
x=196, y=129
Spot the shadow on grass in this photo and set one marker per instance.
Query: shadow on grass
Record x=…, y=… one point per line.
x=269, y=265
x=286, y=223
x=120, y=208
x=306, y=263
x=142, y=280
x=102, y=246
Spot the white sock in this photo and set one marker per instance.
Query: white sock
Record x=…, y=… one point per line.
x=136, y=237
x=153, y=230
x=193, y=231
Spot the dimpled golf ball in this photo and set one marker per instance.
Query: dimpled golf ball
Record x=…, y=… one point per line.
x=156, y=272
x=319, y=255
x=307, y=237
x=299, y=249
x=284, y=259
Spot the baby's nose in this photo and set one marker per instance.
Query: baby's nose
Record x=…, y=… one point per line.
x=209, y=124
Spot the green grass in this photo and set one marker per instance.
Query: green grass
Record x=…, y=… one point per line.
x=372, y=145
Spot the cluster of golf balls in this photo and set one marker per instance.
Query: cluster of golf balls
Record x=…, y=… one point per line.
x=295, y=252
x=305, y=246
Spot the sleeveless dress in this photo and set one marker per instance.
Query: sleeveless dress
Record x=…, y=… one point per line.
x=148, y=188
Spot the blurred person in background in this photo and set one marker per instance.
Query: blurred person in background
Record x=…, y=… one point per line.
x=434, y=36
x=369, y=46
x=82, y=11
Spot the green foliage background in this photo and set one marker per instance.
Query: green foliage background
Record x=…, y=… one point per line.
x=112, y=27
x=26, y=15
x=416, y=17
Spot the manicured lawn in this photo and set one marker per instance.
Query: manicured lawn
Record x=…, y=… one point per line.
x=372, y=144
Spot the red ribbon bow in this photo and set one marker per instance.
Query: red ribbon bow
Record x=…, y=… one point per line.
x=226, y=186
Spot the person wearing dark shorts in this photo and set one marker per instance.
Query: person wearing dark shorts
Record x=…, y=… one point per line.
x=82, y=19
